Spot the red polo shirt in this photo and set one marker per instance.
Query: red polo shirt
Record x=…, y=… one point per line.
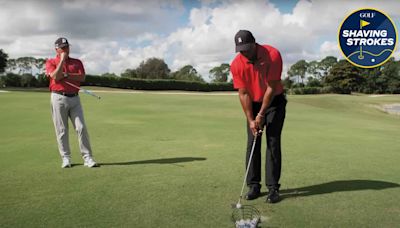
x=255, y=76
x=70, y=66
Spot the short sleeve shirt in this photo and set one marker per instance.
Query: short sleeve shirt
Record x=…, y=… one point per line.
x=71, y=66
x=256, y=76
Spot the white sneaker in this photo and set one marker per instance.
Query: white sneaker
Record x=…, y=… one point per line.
x=89, y=162
x=66, y=162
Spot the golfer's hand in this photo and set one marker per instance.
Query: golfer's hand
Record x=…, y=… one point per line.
x=63, y=56
x=260, y=120
x=253, y=127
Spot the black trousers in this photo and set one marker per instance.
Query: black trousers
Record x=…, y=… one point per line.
x=274, y=119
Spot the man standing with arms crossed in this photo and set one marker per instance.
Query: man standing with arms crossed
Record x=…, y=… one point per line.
x=65, y=102
x=256, y=72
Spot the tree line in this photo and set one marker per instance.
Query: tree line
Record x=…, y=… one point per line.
x=155, y=68
x=152, y=68
x=339, y=76
x=328, y=75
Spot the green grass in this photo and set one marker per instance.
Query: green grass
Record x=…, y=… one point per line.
x=177, y=161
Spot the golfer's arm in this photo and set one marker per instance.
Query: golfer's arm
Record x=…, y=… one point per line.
x=57, y=74
x=268, y=96
x=79, y=77
x=246, y=103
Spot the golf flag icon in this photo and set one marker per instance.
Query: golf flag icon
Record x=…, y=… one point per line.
x=363, y=24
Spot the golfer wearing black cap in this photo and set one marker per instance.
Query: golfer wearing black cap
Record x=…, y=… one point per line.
x=256, y=72
x=63, y=72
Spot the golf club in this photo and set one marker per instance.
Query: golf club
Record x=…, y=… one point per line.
x=238, y=205
x=84, y=90
x=245, y=216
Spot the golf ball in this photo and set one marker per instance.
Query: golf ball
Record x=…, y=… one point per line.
x=238, y=205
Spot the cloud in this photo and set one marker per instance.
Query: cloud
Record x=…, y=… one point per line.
x=113, y=35
x=208, y=41
x=329, y=48
x=309, y=32
x=87, y=19
x=98, y=30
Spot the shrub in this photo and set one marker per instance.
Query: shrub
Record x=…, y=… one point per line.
x=2, y=82
x=13, y=80
x=156, y=84
x=27, y=80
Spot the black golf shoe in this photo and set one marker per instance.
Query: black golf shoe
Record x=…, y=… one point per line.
x=253, y=193
x=273, y=196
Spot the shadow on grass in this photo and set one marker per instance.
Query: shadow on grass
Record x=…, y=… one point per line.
x=158, y=161
x=337, y=186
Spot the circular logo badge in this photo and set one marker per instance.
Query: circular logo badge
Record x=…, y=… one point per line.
x=367, y=38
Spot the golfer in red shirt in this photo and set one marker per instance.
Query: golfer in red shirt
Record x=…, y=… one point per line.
x=256, y=72
x=65, y=102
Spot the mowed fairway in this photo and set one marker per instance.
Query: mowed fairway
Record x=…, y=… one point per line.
x=170, y=160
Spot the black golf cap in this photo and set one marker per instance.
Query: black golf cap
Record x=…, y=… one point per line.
x=61, y=42
x=244, y=40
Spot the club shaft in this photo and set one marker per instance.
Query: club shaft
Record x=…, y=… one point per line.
x=84, y=90
x=248, y=166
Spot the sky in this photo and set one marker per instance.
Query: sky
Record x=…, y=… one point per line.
x=110, y=36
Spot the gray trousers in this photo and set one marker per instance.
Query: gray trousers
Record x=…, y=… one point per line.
x=63, y=107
